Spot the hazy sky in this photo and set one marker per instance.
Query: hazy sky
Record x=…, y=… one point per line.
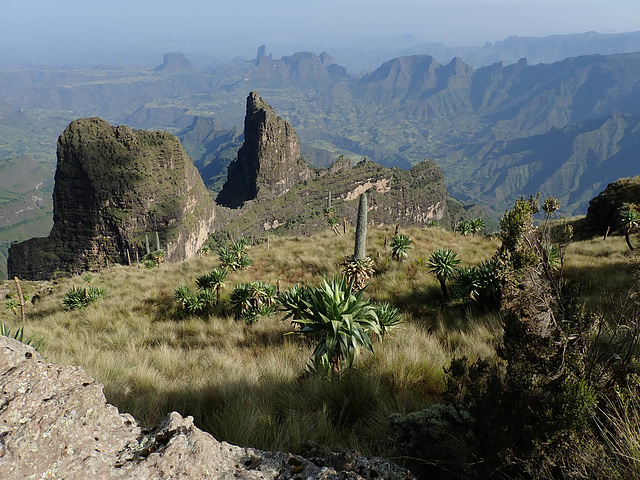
x=113, y=29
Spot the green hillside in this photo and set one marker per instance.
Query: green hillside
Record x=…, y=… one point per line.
x=247, y=382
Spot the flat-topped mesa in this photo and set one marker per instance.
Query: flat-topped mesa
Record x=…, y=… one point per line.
x=175, y=62
x=114, y=188
x=269, y=162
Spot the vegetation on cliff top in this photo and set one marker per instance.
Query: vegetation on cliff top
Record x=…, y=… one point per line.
x=246, y=383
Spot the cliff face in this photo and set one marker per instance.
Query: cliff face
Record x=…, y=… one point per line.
x=268, y=163
x=113, y=187
x=396, y=196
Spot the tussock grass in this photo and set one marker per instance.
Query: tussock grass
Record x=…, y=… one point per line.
x=247, y=384
x=604, y=269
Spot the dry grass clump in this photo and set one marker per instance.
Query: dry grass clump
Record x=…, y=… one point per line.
x=602, y=268
x=247, y=384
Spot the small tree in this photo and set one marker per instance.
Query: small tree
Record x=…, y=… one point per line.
x=629, y=220
x=443, y=264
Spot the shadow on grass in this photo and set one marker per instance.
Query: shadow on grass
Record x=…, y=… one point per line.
x=604, y=282
x=42, y=313
x=274, y=414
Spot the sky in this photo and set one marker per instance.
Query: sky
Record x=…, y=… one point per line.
x=121, y=31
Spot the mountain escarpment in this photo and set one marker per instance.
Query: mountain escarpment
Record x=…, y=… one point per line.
x=114, y=188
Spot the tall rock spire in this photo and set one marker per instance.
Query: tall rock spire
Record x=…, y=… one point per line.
x=268, y=163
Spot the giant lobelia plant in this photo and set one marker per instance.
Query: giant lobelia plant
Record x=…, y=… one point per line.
x=337, y=315
x=358, y=269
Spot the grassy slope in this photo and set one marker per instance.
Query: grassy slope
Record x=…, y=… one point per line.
x=244, y=384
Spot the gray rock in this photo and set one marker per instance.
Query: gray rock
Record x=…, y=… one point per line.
x=55, y=423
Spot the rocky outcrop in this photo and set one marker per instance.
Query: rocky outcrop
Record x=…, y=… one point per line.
x=290, y=195
x=396, y=196
x=604, y=210
x=305, y=70
x=115, y=186
x=55, y=423
x=269, y=162
x=175, y=62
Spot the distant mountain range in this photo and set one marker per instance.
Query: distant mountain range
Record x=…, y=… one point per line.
x=550, y=49
x=510, y=128
x=535, y=49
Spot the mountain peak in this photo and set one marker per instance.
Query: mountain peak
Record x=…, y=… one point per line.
x=268, y=162
x=175, y=62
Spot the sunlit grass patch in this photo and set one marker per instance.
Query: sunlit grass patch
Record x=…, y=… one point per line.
x=248, y=384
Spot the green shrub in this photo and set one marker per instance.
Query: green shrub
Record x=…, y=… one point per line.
x=480, y=284
x=79, y=298
x=400, y=244
x=248, y=300
x=389, y=317
x=195, y=302
x=215, y=279
x=153, y=259
x=19, y=336
x=465, y=227
x=13, y=305
x=234, y=256
x=337, y=315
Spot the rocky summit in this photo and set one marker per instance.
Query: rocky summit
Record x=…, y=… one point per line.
x=115, y=189
x=55, y=423
x=276, y=190
x=269, y=162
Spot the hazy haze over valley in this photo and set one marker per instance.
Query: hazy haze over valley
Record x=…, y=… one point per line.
x=88, y=33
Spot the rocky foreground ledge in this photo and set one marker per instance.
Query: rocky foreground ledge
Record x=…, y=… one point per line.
x=55, y=423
